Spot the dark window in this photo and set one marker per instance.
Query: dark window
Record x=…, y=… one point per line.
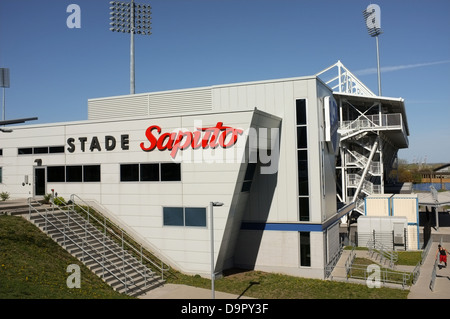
x=56, y=174
x=1, y=152
x=1, y=174
x=303, y=172
x=40, y=150
x=303, y=204
x=195, y=216
x=24, y=151
x=149, y=172
x=56, y=149
x=301, y=112
x=129, y=173
x=301, y=137
x=305, y=249
x=170, y=172
x=173, y=216
x=302, y=160
x=91, y=173
x=74, y=173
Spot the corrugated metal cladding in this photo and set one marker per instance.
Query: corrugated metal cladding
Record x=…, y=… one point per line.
x=150, y=104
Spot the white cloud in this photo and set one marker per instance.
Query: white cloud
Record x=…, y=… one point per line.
x=398, y=67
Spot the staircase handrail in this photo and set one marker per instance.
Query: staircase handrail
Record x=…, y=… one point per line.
x=161, y=268
x=84, y=227
x=47, y=220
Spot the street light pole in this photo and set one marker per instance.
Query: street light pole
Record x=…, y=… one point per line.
x=211, y=225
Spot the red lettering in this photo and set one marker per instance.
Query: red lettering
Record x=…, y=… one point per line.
x=151, y=138
x=175, y=141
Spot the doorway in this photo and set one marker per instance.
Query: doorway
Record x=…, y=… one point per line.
x=39, y=181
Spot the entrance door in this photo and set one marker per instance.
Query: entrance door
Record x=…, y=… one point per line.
x=39, y=181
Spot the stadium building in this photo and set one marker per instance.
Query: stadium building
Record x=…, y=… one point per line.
x=290, y=160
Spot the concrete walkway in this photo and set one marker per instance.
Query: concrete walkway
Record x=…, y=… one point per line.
x=171, y=291
x=421, y=289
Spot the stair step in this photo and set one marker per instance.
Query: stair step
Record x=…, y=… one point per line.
x=119, y=262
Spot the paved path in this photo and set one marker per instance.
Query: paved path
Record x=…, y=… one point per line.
x=171, y=291
x=421, y=290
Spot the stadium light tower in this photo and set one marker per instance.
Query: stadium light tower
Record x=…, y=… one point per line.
x=372, y=15
x=4, y=83
x=133, y=19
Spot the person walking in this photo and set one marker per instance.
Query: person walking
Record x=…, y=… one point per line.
x=442, y=252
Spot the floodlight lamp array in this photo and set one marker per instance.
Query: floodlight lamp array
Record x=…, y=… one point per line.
x=127, y=18
x=373, y=30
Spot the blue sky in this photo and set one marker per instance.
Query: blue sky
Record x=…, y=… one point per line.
x=55, y=69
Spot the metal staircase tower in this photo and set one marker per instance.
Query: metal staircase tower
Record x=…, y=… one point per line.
x=372, y=129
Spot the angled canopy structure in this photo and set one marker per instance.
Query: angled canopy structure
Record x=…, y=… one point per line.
x=16, y=121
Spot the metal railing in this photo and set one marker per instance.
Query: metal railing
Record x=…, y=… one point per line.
x=117, y=232
x=379, y=250
x=385, y=275
x=66, y=230
x=334, y=260
x=392, y=121
x=434, y=272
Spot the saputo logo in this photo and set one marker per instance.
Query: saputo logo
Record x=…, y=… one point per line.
x=204, y=137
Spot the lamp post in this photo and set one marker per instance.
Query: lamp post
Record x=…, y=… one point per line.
x=133, y=19
x=372, y=15
x=213, y=276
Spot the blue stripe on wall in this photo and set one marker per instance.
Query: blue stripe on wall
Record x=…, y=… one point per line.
x=283, y=227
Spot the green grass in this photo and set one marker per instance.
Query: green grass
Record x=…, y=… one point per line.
x=33, y=266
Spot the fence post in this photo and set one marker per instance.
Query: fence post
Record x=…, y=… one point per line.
x=406, y=237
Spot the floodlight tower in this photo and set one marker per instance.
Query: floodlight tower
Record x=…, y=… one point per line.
x=372, y=15
x=133, y=19
x=4, y=83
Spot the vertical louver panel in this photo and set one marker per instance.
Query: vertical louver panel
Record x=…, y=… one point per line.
x=186, y=101
x=180, y=102
x=118, y=107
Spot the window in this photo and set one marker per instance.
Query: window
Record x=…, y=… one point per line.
x=150, y=172
x=25, y=151
x=195, y=217
x=56, y=174
x=40, y=150
x=170, y=172
x=74, y=173
x=1, y=175
x=173, y=216
x=91, y=173
x=56, y=149
x=302, y=160
x=184, y=216
x=305, y=249
x=129, y=172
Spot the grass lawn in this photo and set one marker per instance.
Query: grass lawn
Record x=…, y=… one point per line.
x=33, y=266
